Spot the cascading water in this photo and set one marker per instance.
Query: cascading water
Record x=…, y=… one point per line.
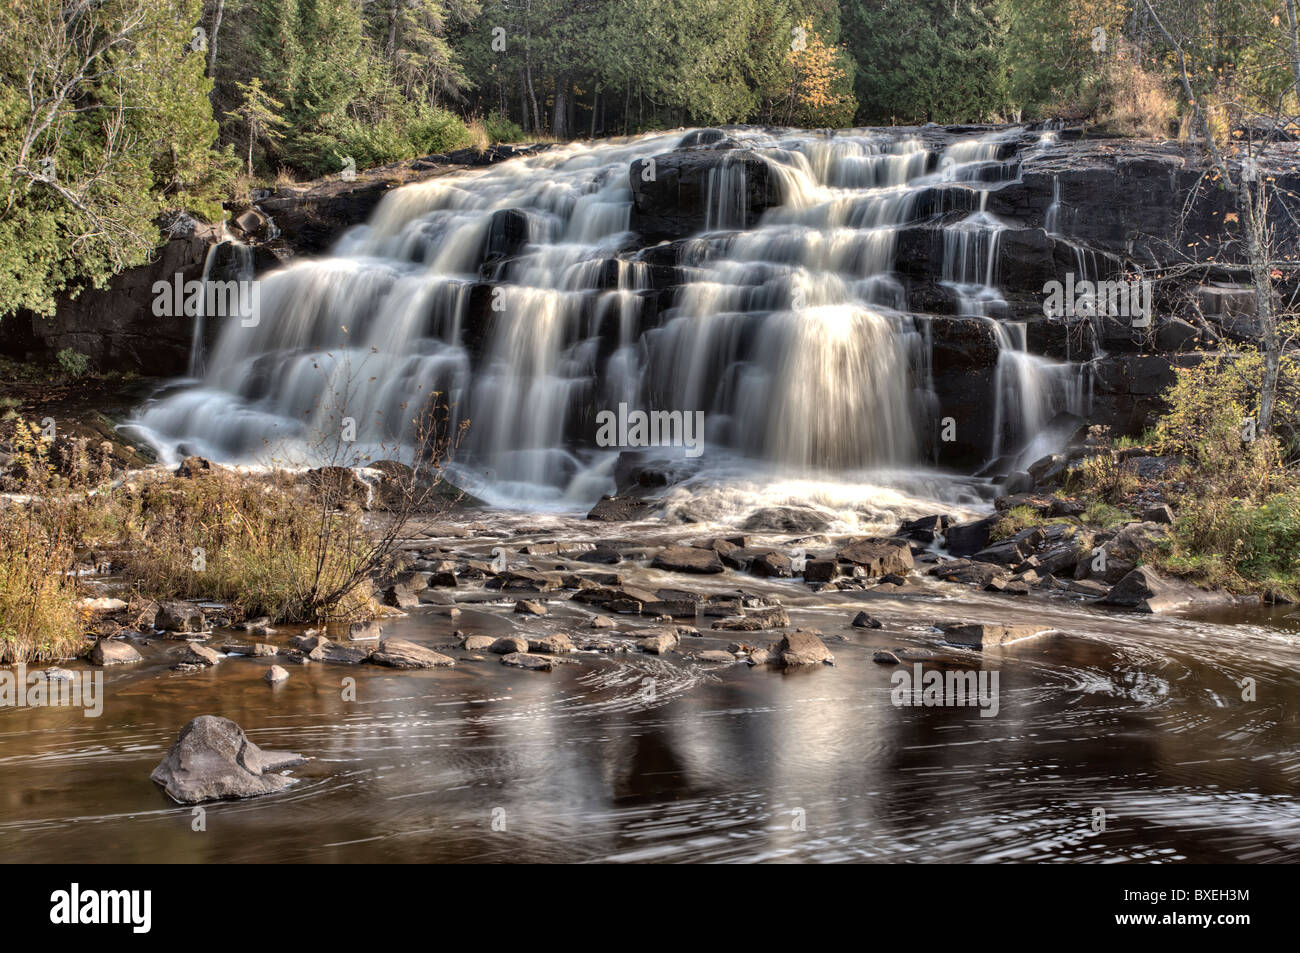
x=516, y=293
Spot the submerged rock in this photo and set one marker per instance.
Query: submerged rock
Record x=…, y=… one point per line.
x=979, y=635
x=536, y=663
x=212, y=759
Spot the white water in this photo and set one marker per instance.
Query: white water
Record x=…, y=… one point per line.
x=791, y=336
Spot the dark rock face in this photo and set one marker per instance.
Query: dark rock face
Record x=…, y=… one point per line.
x=212, y=760
x=116, y=325
x=670, y=192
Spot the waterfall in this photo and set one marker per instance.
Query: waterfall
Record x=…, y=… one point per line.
x=517, y=293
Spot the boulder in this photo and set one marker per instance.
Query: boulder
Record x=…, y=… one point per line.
x=878, y=557
x=365, y=631
x=400, y=596
x=967, y=573
x=537, y=663
x=177, y=616
x=687, y=559
x=755, y=620
x=772, y=565
x=786, y=519
x=399, y=653
x=659, y=643
x=981, y=635
x=212, y=760
x=275, y=675
x=864, y=621
x=1144, y=589
x=1158, y=514
x=476, y=643
x=192, y=467
x=924, y=530
x=601, y=555
x=558, y=644
x=965, y=539
x=509, y=643
x=1004, y=553
x=196, y=654
x=342, y=654
x=820, y=570
x=112, y=652
x=619, y=509
x=531, y=607
x=801, y=648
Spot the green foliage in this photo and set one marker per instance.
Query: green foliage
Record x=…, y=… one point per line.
x=1209, y=421
x=73, y=363
x=104, y=124
x=1238, y=519
x=928, y=60
x=501, y=128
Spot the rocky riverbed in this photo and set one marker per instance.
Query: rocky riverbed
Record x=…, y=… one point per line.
x=550, y=686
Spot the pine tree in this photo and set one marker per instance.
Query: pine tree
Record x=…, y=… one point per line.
x=260, y=113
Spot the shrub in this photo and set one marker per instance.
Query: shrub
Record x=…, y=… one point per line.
x=73, y=363
x=1104, y=477
x=501, y=128
x=259, y=543
x=38, y=616
x=1125, y=97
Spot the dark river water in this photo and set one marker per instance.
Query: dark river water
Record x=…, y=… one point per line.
x=1141, y=717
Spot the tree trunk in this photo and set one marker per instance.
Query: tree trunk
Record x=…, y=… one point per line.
x=560, y=114
x=523, y=103
x=1254, y=213
x=216, y=28
x=390, y=46
x=595, y=102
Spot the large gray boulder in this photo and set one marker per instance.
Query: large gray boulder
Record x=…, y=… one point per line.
x=1146, y=590
x=213, y=760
